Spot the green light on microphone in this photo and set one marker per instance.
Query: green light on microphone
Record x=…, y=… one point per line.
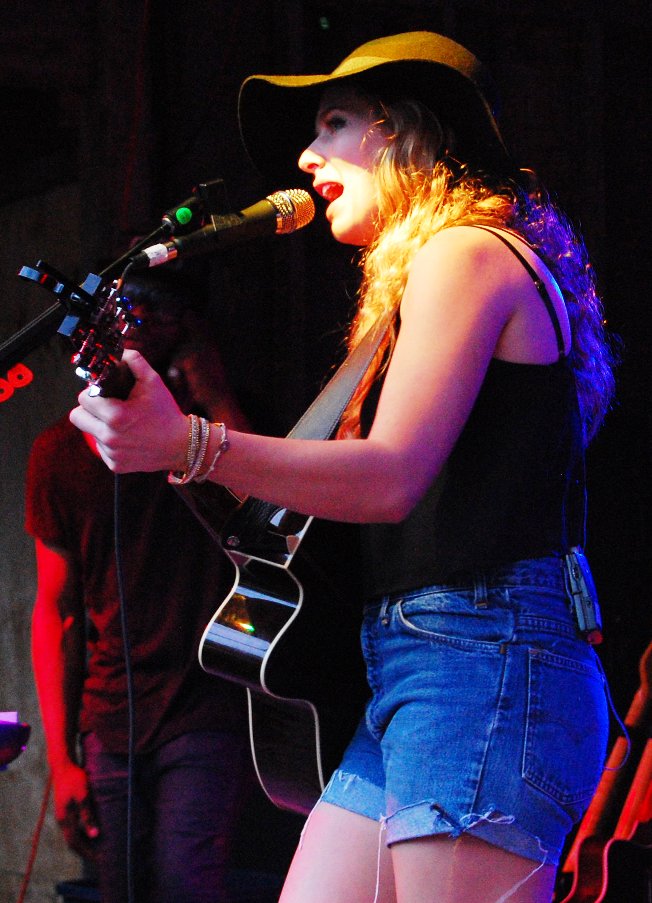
x=183, y=215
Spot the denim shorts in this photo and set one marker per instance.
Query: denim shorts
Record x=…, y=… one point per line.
x=488, y=714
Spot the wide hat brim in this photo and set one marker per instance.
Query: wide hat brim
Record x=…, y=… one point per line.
x=277, y=112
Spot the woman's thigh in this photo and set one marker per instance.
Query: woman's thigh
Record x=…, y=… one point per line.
x=341, y=857
x=463, y=869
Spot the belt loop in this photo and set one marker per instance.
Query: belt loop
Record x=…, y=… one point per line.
x=383, y=616
x=481, y=595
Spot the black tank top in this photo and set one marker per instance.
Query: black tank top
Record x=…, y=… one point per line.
x=503, y=493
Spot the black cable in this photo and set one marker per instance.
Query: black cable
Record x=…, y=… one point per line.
x=124, y=622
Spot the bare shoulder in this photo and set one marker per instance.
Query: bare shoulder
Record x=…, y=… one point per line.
x=468, y=251
x=476, y=265
x=463, y=262
x=463, y=237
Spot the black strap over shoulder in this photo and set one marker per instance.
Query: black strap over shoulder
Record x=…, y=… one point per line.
x=539, y=285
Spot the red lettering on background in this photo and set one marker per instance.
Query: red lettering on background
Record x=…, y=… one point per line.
x=17, y=377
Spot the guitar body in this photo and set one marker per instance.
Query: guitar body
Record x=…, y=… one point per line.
x=291, y=637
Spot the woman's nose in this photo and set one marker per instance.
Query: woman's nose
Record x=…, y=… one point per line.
x=310, y=159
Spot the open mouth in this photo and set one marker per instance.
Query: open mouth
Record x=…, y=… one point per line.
x=330, y=191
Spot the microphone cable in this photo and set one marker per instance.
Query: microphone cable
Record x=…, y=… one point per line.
x=131, y=713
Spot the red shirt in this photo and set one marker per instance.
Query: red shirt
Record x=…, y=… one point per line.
x=175, y=577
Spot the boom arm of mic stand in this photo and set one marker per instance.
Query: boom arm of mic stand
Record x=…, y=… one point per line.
x=43, y=327
x=115, y=269
x=213, y=196
x=74, y=299
x=213, y=200
x=31, y=336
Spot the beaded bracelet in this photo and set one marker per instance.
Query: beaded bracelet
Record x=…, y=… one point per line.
x=198, y=435
x=222, y=447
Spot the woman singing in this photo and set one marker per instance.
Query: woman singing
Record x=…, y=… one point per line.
x=461, y=455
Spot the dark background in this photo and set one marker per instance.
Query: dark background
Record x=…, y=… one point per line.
x=111, y=112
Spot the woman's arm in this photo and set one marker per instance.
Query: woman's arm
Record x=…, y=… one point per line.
x=457, y=303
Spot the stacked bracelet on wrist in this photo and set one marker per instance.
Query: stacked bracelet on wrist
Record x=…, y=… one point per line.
x=199, y=431
x=221, y=448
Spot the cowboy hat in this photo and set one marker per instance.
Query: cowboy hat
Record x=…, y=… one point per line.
x=277, y=112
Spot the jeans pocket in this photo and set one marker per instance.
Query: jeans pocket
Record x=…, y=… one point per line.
x=566, y=729
x=454, y=618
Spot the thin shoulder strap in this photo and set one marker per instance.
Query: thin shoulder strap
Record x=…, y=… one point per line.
x=580, y=486
x=538, y=282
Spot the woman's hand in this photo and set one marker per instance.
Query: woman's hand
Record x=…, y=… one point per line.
x=147, y=432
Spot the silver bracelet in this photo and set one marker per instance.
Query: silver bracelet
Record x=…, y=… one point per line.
x=198, y=436
x=222, y=447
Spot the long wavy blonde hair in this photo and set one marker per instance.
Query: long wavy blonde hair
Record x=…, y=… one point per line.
x=422, y=188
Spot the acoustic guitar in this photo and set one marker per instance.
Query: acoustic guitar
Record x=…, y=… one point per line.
x=288, y=631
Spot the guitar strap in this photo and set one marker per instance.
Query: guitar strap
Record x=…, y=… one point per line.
x=322, y=417
x=320, y=421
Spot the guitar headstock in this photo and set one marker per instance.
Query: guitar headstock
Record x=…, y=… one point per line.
x=97, y=324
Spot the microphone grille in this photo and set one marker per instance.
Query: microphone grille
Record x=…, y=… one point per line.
x=294, y=209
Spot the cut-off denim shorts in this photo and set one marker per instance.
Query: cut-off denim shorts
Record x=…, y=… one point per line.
x=488, y=714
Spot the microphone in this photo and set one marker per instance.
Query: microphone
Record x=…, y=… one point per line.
x=278, y=214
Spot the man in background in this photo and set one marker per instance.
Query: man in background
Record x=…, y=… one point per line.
x=188, y=728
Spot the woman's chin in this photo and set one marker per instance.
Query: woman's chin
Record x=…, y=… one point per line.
x=349, y=235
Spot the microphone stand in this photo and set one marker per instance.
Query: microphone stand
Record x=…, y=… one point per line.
x=78, y=299
x=31, y=336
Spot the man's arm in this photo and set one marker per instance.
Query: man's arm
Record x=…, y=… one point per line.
x=58, y=657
